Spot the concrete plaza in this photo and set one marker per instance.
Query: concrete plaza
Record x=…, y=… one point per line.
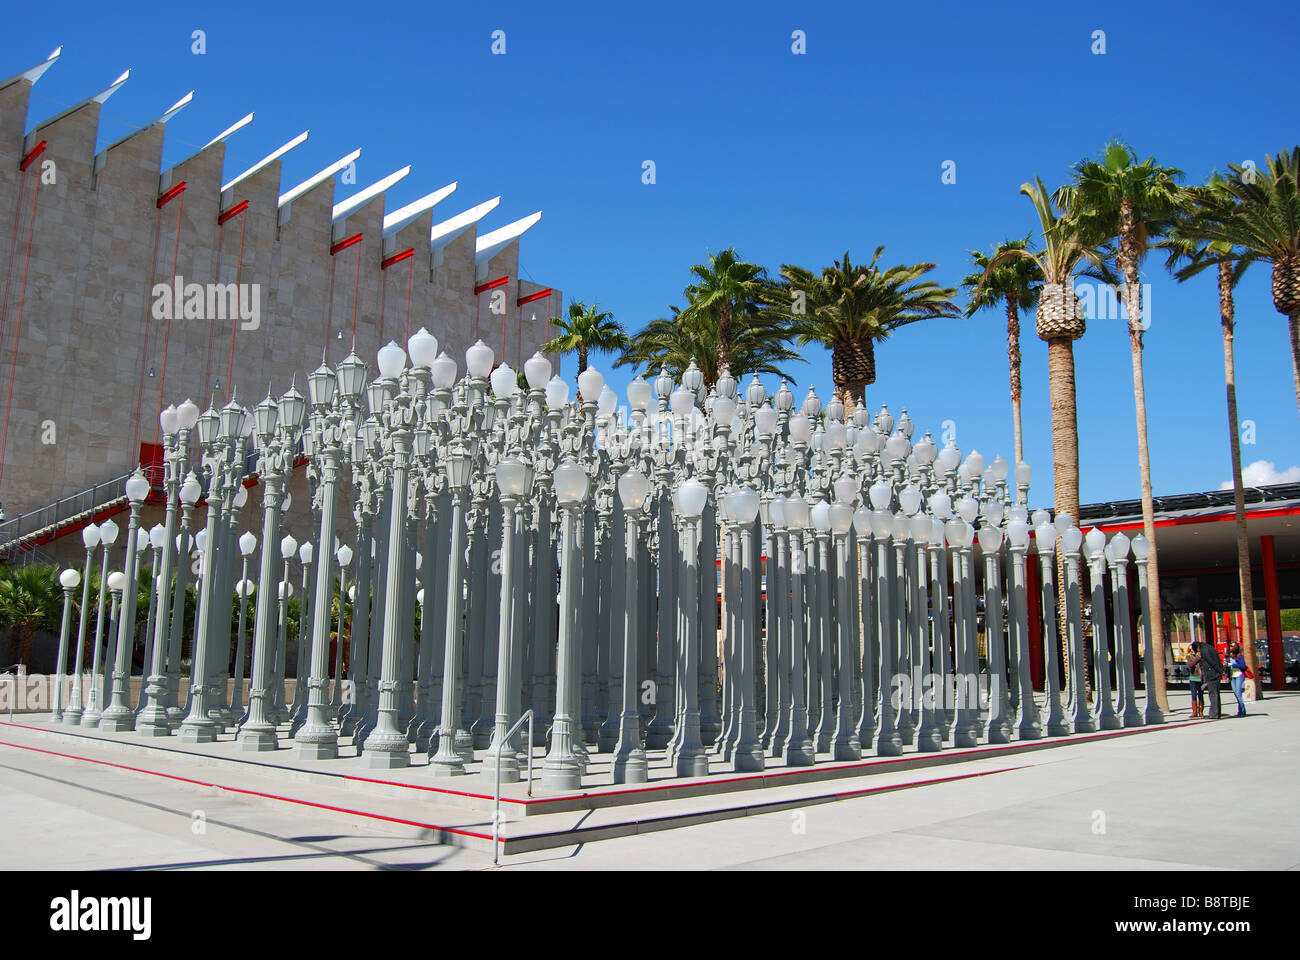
x=1116, y=804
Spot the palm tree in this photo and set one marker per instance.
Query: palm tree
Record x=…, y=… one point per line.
x=1263, y=220
x=1014, y=283
x=759, y=345
x=586, y=329
x=850, y=308
x=1231, y=263
x=730, y=287
x=30, y=599
x=1117, y=198
x=1059, y=320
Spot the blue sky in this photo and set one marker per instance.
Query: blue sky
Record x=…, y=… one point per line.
x=789, y=158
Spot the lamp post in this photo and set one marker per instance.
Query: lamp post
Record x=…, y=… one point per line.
x=276, y=427
x=1071, y=539
x=748, y=754
x=630, y=764
x=512, y=477
x=190, y=492
x=284, y=590
x=90, y=539
x=845, y=745
x=344, y=556
x=1029, y=727
x=157, y=539
x=1095, y=542
x=563, y=770
x=1045, y=538
x=799, y=748
x=999, y=729
x=691, y=760
x=1141, y=551
x=68, y=579
x=247, y=544
x=119, y=716
x=90, y=718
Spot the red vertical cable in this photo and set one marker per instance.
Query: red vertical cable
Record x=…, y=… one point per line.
x=148, y=315
x=234, y=320
x=383, y=292
x=13, y=251
x=356, y=291
x=18, y=327
x=216, y=278
x=329, y=315
x=162, y=374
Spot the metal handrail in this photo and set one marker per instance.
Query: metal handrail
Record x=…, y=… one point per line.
x=525, y=717
x=15, y=529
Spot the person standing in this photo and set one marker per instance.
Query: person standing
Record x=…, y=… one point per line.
x=1211, y=667
x=1239, y=672
x=1194, y=678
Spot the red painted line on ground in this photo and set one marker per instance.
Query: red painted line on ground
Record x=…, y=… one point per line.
x=250, y=793
x=925, y=783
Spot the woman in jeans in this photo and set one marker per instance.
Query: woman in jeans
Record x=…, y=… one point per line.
x=1194, y=678
x=1237, y=670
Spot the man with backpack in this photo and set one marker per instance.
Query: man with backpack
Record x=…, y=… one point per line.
x=1211, y=667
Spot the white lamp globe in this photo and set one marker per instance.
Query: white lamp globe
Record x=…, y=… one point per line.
x=570, y=482
x=187, y=414
x=247, y=543
x=902, y=526
x=590, y=382
x=841, y=518
x=1063, y=522
x=286, y=590
x=837, y=436
x=1071, y=539
x=690, y=497
x=137, y=487
x=1141, y=547
x=478, y=360
x=765, y=421
x=444, y=371
x=69, y=578
x=606, y=401
x=505, y=382
x=190, y=490
x=201, y=539
x=920, y=527
x=419, y=596
x=1095, y=542
x=107, y=533
x=796, y=513
x=800, y=428
x=537, y=371
x=993, y=511
x=352, y=592
x=639, y=393
x=681, y=402
x=557, y=393
x=820, y=514
x=746, y=504
x=846, y=489
x=1040, y=517
x=990, y=539
x=169, y=420
x=1045, y=537
x=909, y=498
x=724, y=410
x=305, y=552
x=512, y=476
x=288, y=547
x=1000, y=467
x=423, y=348
x=776, y=511
x=862, y=522
x=141, y=540
x=880, y=493
x=954, y=530
x=633, y=490
x=1023, y=473
x=392, y=359
x=90, y=536
x=115, y=581
x=967, y=509
x=1119, y=545
x=345, y=555
x=936, y=531
x=975, y=463
x=897, y=447
x=1018, y=534
x=940, y=504
x=241, y=497
x=1018, y=512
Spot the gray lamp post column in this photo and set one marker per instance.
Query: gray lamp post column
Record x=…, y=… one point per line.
x=119, y=716
x=1142, y=550
x=867, y=614
x=845, y=744
x=107, y=534
x=68, y=579
x=661, y=729
x=748, y=755
x=929, y=734
x=386, y=745
x=1070, y=541
x=965, y=689
x=563, y=769
x=447, y=761
x=501, y=759
x=999, y=729
x=344, y=557
x=904, y=676
x=317, y=739
x=156, y=542
x=1117, y=554
x=274, y=430
x=183, y=544
x=691, y=760
x=247, y=544
x=1095, y=542
x=821, y=522
x=1029, y=727
x=799, y=748
x=940, y=633
x=284, y=590
x=89, y=537
x=1045, y=537
x=198, y=727
x=888, y=741
x=630, y=765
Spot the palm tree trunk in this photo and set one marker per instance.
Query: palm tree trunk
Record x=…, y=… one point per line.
x=582, y=360
x=724, y=338
x=1133, y=305
x=1226, y=314
x=1013, y=360
x=1294, y=321
x=1065, y=447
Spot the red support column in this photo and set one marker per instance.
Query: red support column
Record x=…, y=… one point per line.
x=1272, y=615
x=1034, y=594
